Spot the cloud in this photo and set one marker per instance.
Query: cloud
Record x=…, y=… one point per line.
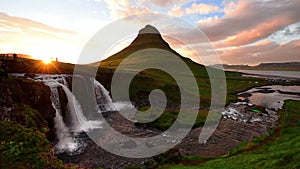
x=194, y=9
x=176, y=12
x=123, y=8
x=245, y=22
x=264, y=52
x=208, y=21
x=166, y=3
x=202, y=9
x=21, y=35
x=289, y=32
x=23, y=25
x=253, y=21
x=261, y=31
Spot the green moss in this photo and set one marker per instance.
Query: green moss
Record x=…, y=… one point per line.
x=134, y=166
x=29, y=117
x=22, y=147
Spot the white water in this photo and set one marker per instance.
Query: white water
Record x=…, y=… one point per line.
x=67, y=140
x=79, y=121
x=102, y=96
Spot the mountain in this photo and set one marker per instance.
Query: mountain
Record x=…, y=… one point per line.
x=289, y=66
x=276, y=66
x=10, y=55
x=150, y=48
x=148, y=37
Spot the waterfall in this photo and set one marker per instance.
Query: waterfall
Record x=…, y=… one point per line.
x=66, y=135
x=65, y=141
x=102, y=97
x=79, y=121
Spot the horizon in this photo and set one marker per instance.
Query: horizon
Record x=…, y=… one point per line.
x=241, y=31
x=25, y=56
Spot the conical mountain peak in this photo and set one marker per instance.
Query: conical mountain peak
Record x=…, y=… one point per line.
x=149, y=29
x=148, y=37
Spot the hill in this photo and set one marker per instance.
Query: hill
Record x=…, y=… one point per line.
x=286, y=66
x=148, y=38
x=31, y=66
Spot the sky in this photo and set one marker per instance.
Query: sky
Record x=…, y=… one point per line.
x=241, y=31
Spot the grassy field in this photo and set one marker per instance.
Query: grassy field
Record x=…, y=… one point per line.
x=155, y=79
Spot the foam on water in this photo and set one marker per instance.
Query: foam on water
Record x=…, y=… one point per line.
x=68, y=135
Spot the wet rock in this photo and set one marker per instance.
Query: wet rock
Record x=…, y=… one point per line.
x=140, y=125
x=30, y=75
x=288, y=92
x=265, y=91
x=245, y=95
x=227, y=136
x=63, y=104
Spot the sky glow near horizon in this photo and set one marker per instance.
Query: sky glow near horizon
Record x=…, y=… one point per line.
x=242, y=32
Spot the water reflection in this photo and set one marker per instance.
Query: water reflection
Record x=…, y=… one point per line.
x=272, y=96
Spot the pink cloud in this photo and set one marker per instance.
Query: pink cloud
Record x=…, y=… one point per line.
x=261, y=31
x=208, y=21
x=253, y=21
x=167, y=3
x=202, y=9
x=176, y=12
x=264, y=52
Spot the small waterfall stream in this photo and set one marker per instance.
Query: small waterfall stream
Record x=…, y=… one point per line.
x=102, y=96
x=65, y=141
x=67, y=135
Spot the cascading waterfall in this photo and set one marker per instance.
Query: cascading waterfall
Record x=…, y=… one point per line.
x=102, y=96
x=65, y=141
x=67, y=134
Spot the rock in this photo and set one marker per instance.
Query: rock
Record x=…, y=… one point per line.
x=140, y=125
x=227, y=136
x=245, y=95
x=30, y=75
x=31, y=93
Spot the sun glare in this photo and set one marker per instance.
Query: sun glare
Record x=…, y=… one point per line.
x=46, y=61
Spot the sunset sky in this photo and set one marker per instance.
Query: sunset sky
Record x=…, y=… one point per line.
x=242, y=32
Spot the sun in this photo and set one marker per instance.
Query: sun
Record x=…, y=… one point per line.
x=46, y=61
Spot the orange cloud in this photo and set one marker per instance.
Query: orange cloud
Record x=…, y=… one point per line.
x=202, y=9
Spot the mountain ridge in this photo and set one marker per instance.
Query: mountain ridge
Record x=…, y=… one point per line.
x=288, y=66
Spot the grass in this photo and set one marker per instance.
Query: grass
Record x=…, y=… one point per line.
x=146, y=81
x=23, y=141
x=282, y=152
x=22, y=147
